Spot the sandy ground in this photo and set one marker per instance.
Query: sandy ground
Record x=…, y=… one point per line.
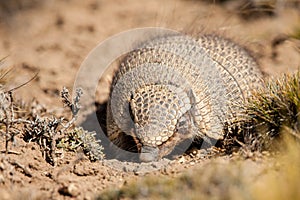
x=52, y=38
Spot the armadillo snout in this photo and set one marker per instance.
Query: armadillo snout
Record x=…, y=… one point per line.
x=149, y=154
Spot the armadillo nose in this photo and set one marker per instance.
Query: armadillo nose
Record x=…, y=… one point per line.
x=149, y=154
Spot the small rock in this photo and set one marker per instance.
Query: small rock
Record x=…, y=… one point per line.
x=87, y=197
x=70, y=190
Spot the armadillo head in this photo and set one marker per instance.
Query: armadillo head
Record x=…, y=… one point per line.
x=159, y=111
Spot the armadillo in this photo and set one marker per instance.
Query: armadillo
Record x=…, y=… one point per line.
x=179, y=87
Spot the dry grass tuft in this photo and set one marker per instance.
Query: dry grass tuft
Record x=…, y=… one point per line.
x=272, y=112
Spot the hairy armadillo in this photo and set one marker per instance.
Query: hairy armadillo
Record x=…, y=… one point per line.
x=178, y=87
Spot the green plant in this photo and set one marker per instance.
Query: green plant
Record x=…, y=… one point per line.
x=78, y=137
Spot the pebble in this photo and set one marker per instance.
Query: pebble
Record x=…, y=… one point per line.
x=70, y=190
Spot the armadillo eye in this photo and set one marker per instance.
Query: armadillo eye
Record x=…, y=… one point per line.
x=181, y=123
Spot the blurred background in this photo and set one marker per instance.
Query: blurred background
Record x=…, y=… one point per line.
x=52, y=37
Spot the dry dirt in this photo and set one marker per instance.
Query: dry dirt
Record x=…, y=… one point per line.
x=53, y=38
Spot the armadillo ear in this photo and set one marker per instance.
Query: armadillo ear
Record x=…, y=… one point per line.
x=131, y=105
x=186, y=126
